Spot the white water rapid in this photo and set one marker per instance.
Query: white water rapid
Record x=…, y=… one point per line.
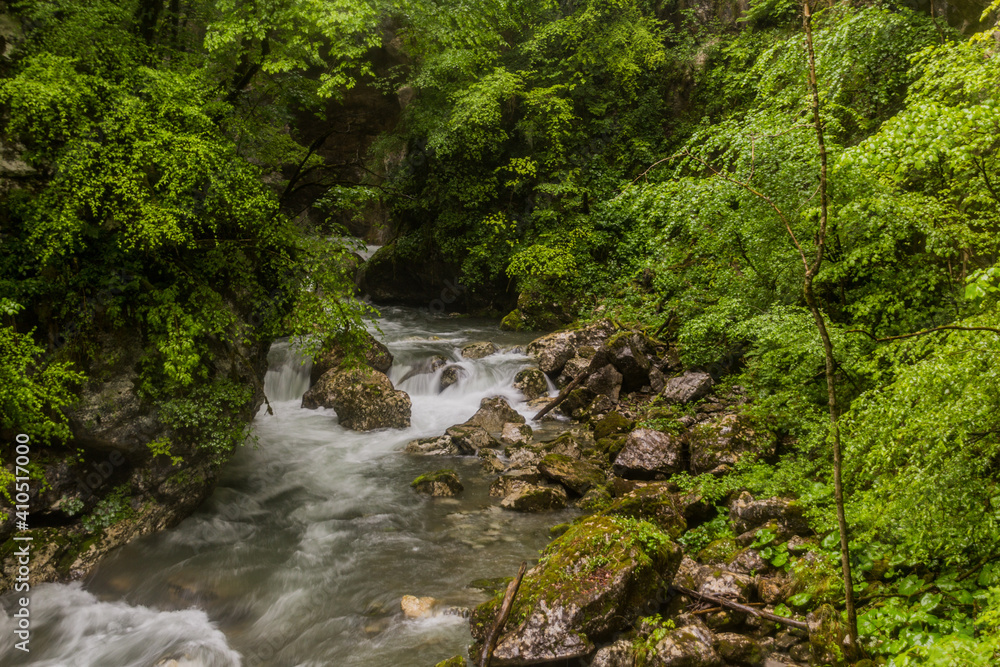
x=302, y=553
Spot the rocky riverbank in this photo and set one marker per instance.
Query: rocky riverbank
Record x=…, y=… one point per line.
x=606, y=592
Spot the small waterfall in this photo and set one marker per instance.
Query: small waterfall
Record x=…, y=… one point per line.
x=287, y=375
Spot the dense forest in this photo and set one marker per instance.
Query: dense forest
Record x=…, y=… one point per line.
x=803, y=204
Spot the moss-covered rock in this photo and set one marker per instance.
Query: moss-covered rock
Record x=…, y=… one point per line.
x=480, y=350
x=828, y=636
x=688, y=646
x=737, y=649
x=532, y=498
x=719, y=551
x=612, y=424
x=577, y=476
x=363, y=398
x=372, y=352
x=513, y=321
x=531, y=382
x=589, y=584
x=654, y=503
x=440, y=484
x=457, y=661
x=727, y=440
x=649, y=454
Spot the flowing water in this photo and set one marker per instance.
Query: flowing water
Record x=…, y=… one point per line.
x=302, y=553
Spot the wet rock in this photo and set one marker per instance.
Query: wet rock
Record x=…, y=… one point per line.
x=748, y=515
x=515, y=478
x=373, y=352
x=493, y=413
x=576, y=402
x=571, y=370
x=449, y=376
x=456, y=661
x=531, y=382
x=654, y=503
x=590, y=583
x=414, y=607
x=577, y=476
x=570, y=443
x=438, y=446
x=529, y=498
x=648, y=454
x=688, y=387
x=363, y=398
x=619, y=654
x=469, y=439
x=689, y=646
x=606, y=381
x=426, y=366
x=726, y=440
x=480, y=350
x=515, y=434
x=438, y=484
x=737, y=649
x=490, y=461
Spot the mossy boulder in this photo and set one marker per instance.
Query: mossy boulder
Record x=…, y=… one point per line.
x=718, y=551
x=749, y=515
x=737, y=649
x=577, y=476
x=653, y=503
x=649, y=454
x=513, y=321
x=440, y=484
x=554, y=350
x=589, y=584
x=363, y=398
x=828, y=637
x=469, y=438
x=535, y=498
x=493, y=413
x=612, y=424
x=689, y=646
x=457, y=661
x=687, y=387
x=515, y=434
x=531, y=382
x=725, y=441
x=371, y=352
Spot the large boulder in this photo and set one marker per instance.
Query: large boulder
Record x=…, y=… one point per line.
x=619, y=654
x=372, y=352
x=748, y=515
x=631, y=355
x=589, y=584
x=441, y=445
x=606, y=381
x=649, y=454
x=469, y=438
x=363, y=398
x=493, y=413
x=688, y=646
x=531, y=382
x=555, y=349
x=688, y=387
x=532, y=498
x=654, y=503
x=577, y=476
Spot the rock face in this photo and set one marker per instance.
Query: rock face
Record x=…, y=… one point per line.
x=440, y=484
x=363, y=398
x=577, y=476
x=531, y=382
x=375, y=354
x=648, y=454
x=588, y=585
x=688, y=387
x=480, y=350
x=493, y=413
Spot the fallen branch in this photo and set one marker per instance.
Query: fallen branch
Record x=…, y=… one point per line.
x=508, y=601
x=924, y=332
x=736, y=606
x=712, y=610
x=599, y=361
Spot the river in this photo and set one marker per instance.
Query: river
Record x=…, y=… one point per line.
x=303, y=551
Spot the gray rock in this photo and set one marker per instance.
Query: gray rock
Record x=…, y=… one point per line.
x=515, y=434
x=439, y=446
x=493, y=413
x=555, y=349
x=606, y=381
x=737, y=649
x=449, y=376
x=529, y=498
x=689, y=646
x=630, y=355
x=480, y=350
x=648, y=454
x=469, y=438
x=577, y=476
x=688, y=387
x=571, y=370
x=363, y=398
x=531, y=382
x=747, y=514
x=619, y=654
x=515, y=478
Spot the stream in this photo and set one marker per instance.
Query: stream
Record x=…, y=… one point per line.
x=303, y=551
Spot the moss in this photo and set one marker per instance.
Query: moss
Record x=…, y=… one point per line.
x=457, y=661
x=513, y=321
x=445, y=475
x=719, y=551
x=653, y=503
x=613, y=424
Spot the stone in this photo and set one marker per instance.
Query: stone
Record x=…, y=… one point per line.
x=449, y=376
x=442, y=445
x=688, y=387
x=654, y=503
x=363, y=398
x=630, y=356
x=438, y=484
x=619, y=654
x=529, y=498
x=515, y=478
x=424, y=367
x=374, y=353
x=515, y=434
x=657, y=381
x=737, y=649
x=576, y=402
x=688, y=646
x=724, y=584
x=589, y=584
x=828, y=636
x=469, y=439
x=414, y=607
x=648, y=454
x=748, y=515
x=553, y=350
x=532, y=383
x=748, y=561
x=493, y=413
x=480, y=350
x=571, y=370
x=577, y=476
x=456, y=661
x=612, y=424
x=606, y=381
x=725, y=441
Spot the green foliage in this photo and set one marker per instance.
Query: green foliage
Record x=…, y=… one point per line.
x=111, y=509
